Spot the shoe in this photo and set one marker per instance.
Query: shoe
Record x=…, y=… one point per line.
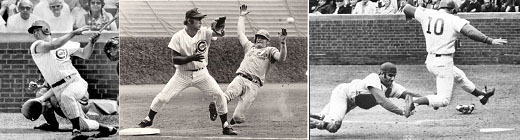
x=487, y=95
x=229, y=131
x=317, y=116
x=47, y=127
x=145, y=123
x=232, y=122
x=212, y=111
x=76, y=132
x=409, y=106
x=105, y=133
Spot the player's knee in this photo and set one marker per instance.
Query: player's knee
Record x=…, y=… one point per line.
x=334, y=126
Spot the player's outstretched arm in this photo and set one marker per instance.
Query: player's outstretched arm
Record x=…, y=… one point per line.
x=403, y=95
x=48, y=46
x=241, y=29
x=473, y=33
x=283, y=47
x=87, y=51
x=385, y=102
x=181, y=60
x=46, y=96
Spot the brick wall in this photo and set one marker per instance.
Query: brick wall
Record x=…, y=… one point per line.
x=148, y=60
x=372, y=39
x=17, y=68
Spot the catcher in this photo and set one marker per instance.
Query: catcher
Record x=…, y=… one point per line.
x=374, y=90
x=52, y=57
x=112, y=50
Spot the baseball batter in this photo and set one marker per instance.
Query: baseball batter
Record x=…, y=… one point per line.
x=441, y=28
x=190, y=50
x=258, y=58
x=375, y=89
x=52, y=57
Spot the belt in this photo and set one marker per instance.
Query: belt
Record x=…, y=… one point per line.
x=439, y=55
x=251, y=78
x=196, y=69
x=62, y=81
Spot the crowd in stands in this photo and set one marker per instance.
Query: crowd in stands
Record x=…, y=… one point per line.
x=396, y=6
x=62, y=15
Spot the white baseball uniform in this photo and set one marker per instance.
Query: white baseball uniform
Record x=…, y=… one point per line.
x=252, y=70
x=56, y=67
x=192, y=74
x=343, y=97
x=441, y=30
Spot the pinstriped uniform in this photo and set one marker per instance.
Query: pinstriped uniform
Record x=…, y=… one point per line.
x=256, y=63
x=192, y=74
x=56, y=65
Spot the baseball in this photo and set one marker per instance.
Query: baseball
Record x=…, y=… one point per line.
x=290, y=20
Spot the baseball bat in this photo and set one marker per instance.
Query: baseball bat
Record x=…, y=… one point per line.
x=110, y=22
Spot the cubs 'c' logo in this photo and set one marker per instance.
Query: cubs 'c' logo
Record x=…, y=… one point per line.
x=61, y=54
x=201, y=46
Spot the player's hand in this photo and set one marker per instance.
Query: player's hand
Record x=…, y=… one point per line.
x=80, y=30
x=196, y=57
x=283, y=36
x=499, y=41
x=243, y=10
x=95, y=37
x=36, y=99
x=32, y=86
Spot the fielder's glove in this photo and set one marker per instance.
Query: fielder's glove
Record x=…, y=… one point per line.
x=283, y=36
x=465, y=109
x=32, y=109
x=112, y=49
x=218, y=25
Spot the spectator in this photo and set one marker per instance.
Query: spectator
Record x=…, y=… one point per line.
x=512, y=5
x=433, y=4
x=342, y=7
x=402, y=3
x=72, y=4
x=474, y=6
x=4, y=6
x=489, y=7
x=325, y=7
x=421, y=3
x=313, y=4
x=79, y=12
x=60, y=20
x=97, y=17
x=42, y=9
x=24, y=19
x=387, y=8
x=2, y=25
x=464, y=6
x=365, y=7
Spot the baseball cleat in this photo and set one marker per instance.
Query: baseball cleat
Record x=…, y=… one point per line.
x=317, y=116
x=487, y=95
x=76, y=132
x=212, y=111
x=409, y=106
x=229, y=131
x=105, y=133
x=145, y=123
x=47, y=127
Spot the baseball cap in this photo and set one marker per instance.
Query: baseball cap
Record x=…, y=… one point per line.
x=388, y=67
x=40, y=24
x=194, y=13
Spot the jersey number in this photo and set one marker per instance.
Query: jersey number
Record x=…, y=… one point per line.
x=437, y=22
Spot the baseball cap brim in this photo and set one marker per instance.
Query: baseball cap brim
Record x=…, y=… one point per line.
x=198, y=15
x=30, y=30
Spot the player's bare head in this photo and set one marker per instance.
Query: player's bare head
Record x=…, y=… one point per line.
x=55, y=6
x=40, y=29
x=262, y=37
x=387, y=73
x=193, y=18
x=25, y=7
x=449, y=6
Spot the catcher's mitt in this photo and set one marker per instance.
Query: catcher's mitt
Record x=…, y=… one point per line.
x=32, y=109
x=218, y=25
x=465, y=109
x=112, y=48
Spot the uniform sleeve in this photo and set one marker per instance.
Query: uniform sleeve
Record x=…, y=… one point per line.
x=372, y=80
x=33, y=46
x=273, y=51
x=420, y=14
x=174, y=43
x=247, y=46
x=397, y=90
x=459, y=23
x=72, y=46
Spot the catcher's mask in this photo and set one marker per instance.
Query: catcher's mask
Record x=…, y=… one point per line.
x=32, y=109
x=263, y=33
x=112, y=48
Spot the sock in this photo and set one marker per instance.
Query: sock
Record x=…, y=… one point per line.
x=478, y=93
x=223, y=119
x=75, y=123
x=151, y=115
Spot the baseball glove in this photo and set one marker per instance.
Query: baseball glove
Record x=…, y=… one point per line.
x=465, y=109
x=32, y=109
x=112, y=48
x=218, y=25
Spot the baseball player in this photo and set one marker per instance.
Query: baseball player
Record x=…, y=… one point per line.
x=441, y=28
x=190, y=50
x=375, y=89
x=52, y=57
x=258, y=58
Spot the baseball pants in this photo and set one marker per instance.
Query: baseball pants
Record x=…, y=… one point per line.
x=247, y=91
x=447, y=74
x=183, y=79
x=339, y=105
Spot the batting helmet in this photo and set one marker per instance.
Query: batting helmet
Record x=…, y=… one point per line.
x=263, y=33
x=450, y=4
x=46, y=29
x=112, y=48
x=32, y=109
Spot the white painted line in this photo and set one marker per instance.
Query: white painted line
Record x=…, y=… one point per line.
x=224, y=137
x=318, y=54
x=393, y=122
x=496, y=129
